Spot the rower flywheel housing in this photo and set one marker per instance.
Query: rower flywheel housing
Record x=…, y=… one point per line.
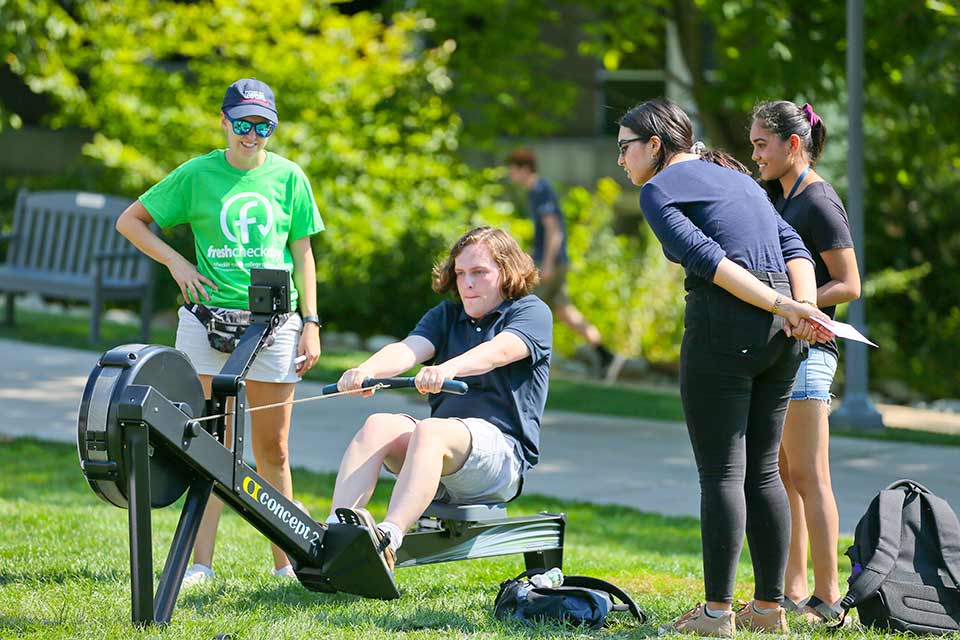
x=100, y=434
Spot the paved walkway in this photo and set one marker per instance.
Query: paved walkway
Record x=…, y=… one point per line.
x=638, y=463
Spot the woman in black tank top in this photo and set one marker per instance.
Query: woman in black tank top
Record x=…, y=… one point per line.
x=787, y=140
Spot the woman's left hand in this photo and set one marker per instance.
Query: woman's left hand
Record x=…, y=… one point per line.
x=802, y=326
x=804, y=331
x=309, y=348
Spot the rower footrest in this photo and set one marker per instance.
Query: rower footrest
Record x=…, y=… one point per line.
x=349, y=563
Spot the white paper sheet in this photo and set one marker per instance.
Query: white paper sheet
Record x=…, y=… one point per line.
x=844, y=330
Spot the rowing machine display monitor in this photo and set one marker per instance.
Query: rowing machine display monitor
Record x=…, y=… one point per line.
x=269, y=291
x=146, y=435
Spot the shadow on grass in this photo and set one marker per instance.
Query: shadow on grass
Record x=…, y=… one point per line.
x=21, y=626
x=340, y=610
x=64, y=576
x=423, y=619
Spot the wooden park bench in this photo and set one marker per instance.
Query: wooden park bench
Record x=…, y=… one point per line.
x=64, y=245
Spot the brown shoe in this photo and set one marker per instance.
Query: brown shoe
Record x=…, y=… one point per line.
x=361, y=518
x=697, y=622
x=749, y=619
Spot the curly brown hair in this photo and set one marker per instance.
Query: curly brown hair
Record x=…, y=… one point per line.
x=519, y=273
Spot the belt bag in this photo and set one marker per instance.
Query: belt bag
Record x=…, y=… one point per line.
x=225, y=327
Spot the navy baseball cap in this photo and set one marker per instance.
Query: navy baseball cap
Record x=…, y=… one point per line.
x=250, y=97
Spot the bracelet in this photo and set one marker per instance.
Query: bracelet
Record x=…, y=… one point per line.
x=809, y=302
x=776, y=304
x=314, y=319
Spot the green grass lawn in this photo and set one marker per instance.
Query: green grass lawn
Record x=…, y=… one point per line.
x=64, y=569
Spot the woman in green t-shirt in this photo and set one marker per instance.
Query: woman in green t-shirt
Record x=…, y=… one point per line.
x=247, y=208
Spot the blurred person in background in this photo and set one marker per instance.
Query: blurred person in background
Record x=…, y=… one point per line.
x=550, y=255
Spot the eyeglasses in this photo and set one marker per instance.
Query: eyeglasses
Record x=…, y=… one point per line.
x=623, y=144
x=242, y=127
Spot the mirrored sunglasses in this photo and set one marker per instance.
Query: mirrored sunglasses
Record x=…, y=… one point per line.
x=242, y=127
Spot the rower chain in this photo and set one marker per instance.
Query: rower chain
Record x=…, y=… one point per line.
x=375, y=387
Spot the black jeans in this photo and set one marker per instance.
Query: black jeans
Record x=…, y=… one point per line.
x=736, y=372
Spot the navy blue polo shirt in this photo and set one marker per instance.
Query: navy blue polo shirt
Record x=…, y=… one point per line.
x=544, y=202
x=511, y=397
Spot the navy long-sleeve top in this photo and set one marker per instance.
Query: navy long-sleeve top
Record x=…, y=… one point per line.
x=702, y=212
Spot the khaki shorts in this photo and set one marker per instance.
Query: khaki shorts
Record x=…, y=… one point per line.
x=491, y=473
x=272, y=364
x=554, y=292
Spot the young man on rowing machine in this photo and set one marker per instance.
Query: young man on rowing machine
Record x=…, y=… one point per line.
x=473, y=449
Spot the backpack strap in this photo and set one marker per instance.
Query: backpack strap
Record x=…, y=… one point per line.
x=885, y=556
x=948, y=534
x=907, y=483
x=586, y=582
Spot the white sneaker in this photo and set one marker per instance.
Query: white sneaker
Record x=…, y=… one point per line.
x=196, y=574
x=285, y=572
x=614, y=369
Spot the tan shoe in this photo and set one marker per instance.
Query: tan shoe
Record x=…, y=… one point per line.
x=749, y=619
x=362, y=518
x=697, y=622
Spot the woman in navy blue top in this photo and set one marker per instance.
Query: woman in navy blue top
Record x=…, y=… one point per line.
x=745, y=267
x=787, y=140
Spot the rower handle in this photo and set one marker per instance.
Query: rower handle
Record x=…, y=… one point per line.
x=449, y=386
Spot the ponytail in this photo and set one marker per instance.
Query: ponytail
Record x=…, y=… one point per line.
x=818, y=132
x=724, y=159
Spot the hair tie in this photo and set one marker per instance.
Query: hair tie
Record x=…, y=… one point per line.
x=697, y=148
x=808, y=111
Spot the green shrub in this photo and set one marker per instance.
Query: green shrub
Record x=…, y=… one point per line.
x=362, y=110
x=622, y=283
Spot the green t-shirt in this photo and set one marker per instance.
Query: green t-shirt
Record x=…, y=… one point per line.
x=240, y=219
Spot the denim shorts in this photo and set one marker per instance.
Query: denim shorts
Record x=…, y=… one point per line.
x=272, y=364
x=491, y=473
x=815, y=376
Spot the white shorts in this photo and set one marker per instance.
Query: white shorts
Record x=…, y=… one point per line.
x=273, y=364
x=491, y=473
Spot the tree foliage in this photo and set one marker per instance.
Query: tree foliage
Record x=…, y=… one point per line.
x=376, y=108
x=362, y=110
x=741, y=52
x=622, y=283
x=504, y=72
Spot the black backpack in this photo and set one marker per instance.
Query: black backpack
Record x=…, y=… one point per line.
x=579, y=601
x=906, y=562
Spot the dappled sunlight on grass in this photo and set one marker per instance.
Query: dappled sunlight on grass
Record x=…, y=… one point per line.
x=64, y=570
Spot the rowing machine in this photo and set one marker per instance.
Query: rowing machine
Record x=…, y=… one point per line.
x=146, y=435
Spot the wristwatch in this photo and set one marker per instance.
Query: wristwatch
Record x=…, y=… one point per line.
x=314, y=319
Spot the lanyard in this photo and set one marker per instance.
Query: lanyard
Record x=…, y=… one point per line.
x=796, y=184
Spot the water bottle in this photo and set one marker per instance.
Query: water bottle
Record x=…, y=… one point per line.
x=523, y=591
x=548, y=580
